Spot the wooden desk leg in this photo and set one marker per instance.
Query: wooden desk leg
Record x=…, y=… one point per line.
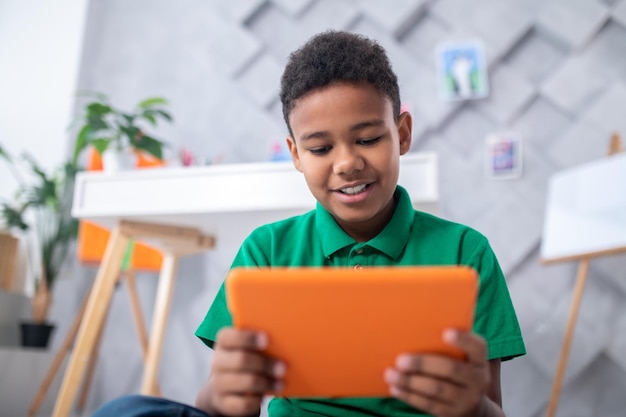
x=571, y=325
x=82, y=400
x=97, y=305
x=139, y=321
x=159, y=323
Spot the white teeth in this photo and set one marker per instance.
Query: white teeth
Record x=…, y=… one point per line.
x=354, y=190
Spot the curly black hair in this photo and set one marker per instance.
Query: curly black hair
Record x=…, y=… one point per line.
x=336, y=56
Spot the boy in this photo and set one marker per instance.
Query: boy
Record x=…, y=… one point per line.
x=341, y=104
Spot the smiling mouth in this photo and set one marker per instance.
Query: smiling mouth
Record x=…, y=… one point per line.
x=354, y=190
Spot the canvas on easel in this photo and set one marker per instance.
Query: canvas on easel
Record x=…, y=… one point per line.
x=585, y=218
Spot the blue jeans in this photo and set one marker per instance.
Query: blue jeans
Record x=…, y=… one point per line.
x=143, y=406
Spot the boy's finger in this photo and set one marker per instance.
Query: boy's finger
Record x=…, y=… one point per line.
x=423, y=385
x=470, y=343
x=247, y=383
x=231, y=338
x=436, y=366
x=247, y=361
x=240, y=404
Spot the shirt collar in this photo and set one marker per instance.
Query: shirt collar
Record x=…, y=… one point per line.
x=390, y=241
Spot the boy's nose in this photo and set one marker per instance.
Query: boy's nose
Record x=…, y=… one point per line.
x=348, y=162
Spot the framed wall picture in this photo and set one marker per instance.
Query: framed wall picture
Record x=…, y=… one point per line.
x=462, y=71
x=503, y=155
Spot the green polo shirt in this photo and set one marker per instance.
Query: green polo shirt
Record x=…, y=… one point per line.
x=410, y=238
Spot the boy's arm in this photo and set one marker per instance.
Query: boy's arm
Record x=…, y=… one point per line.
x=494, y=392
x=492, y=404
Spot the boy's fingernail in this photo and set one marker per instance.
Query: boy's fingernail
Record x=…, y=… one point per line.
x=391, y=376
x=450, y=335
x=403, y=362
x=279, y=370
x=261, y=340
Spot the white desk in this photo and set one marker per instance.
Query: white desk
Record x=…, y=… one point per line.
x=187, y=210
x=203, y=197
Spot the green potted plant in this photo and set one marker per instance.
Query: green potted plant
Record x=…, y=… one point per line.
x=117, y=135
x=41, y=214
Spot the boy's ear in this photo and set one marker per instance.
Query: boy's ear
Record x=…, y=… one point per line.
x=405, y=128
x=293, y=149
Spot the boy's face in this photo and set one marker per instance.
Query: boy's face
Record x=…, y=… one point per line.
x=348, y=146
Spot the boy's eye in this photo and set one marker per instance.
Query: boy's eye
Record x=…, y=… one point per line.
x=320, y=150
x=369, y=142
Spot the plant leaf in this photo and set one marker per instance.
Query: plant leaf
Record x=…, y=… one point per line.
x=81, y=143
x=13, y=217
x=96, y=122
x=151, y=102
x=150, y=145
x=95, y=94
x=149, y=117
x=101, y=144
x=98, y=109
x=164, y=114
x=4, y=154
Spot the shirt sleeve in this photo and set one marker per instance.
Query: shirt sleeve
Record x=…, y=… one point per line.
x=495, y=317
x=250, y=253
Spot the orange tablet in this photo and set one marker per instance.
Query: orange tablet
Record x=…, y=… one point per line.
x=337, y=329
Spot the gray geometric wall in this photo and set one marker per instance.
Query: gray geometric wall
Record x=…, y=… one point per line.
x=557, y=75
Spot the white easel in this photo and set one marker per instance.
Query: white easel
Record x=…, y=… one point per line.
x=615, y=147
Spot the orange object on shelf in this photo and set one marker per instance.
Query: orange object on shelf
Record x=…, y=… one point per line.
x=93, y=239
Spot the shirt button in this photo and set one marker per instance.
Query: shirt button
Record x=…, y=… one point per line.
x=358, y=267
x=359, y=251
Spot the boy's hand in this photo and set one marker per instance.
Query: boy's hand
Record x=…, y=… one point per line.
x=241, y=374
x=443, y=386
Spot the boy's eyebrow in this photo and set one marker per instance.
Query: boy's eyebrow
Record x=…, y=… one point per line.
x=359, y=126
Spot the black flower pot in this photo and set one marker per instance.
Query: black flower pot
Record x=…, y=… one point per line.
x=36, y=334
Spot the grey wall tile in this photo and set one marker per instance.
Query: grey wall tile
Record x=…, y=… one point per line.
x=279, y=34
x=324, y=15
x=541, y=123
x=606, y=53
x=583, y=142
x=238, y=11
x=422, y=38
x=607, y=111
x=396, y=19
x=617, y=344
x=619, y=12
x=293, y=7
x=612, y=382
x=535, y=57
x=501, y=230
x=421, y=93
x=573, y=22
x=591, y=337
x=526, y=388
x=574, y=84
x=613, y=269
x=509, y=94
x=261, y=80
x=230, y=47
